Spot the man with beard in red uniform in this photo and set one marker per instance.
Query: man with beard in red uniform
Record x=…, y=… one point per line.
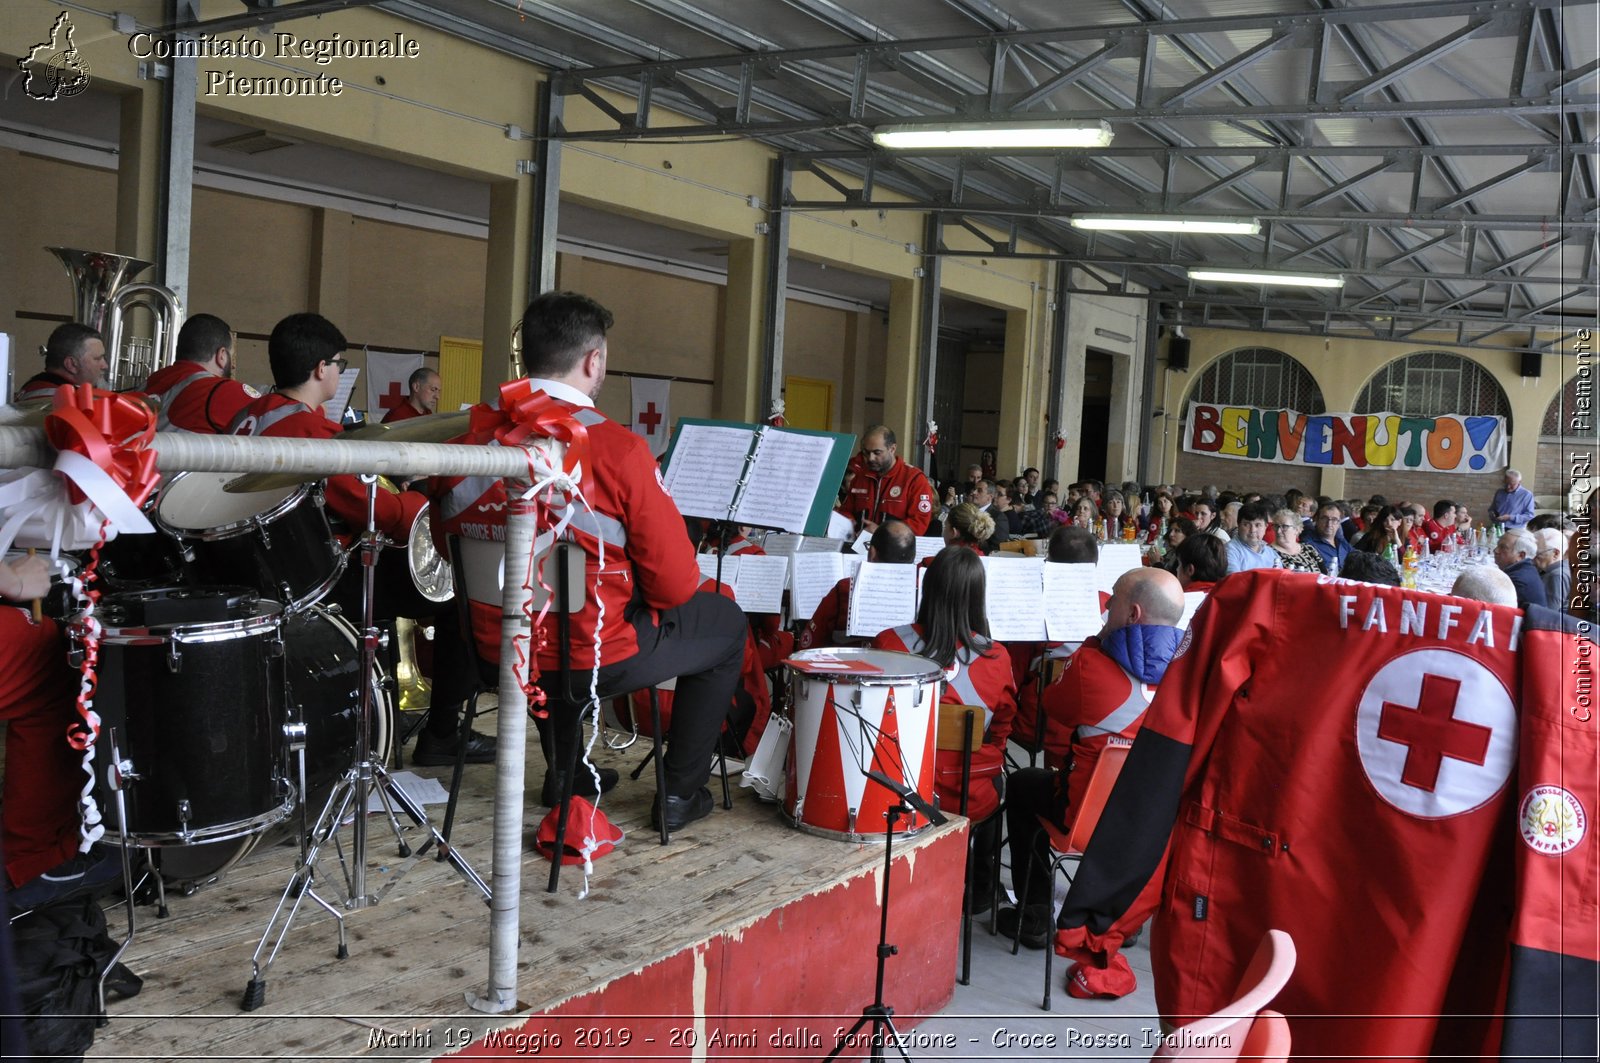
x=885, y=486
x=640, y=567
x=197, y=393
x=74, y=354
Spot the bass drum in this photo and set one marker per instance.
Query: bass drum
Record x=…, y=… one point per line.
x=322, y=663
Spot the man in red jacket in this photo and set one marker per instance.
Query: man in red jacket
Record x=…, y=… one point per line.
x=640, y=565
x=304, y=350
x=74, y=354
x=886, y=486
x=892, y=544
x=197, y=393
x=423, y=399
x=1102, y=694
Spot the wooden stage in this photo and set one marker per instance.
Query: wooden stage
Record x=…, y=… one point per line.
x=743, y=939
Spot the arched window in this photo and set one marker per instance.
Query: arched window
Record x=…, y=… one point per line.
x=1258, y=376
x=1429, y=383
x=1565, y=409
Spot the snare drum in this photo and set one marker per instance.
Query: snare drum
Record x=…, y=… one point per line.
x=191, y=697
x=859, y=710
x=278, y=541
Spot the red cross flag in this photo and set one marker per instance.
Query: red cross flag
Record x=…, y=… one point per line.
x=387, y=376
x=652, y=416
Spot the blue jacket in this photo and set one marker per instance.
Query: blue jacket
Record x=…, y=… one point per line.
x=1530, y=588
x=1335, y=551
x=1143, y=650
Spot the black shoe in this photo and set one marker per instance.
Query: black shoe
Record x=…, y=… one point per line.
x=550, y=793
x=682, y=811
x=1037, y=926
x=434, y=752
x=84, y=874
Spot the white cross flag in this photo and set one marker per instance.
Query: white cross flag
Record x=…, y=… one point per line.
x=652, y=417
x=387, y=381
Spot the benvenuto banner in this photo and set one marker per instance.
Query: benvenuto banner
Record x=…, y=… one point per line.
x=1447, y=443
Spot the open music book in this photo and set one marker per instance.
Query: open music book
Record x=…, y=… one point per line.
x=757, y=581
x=883, y=596
x=757, y=475
x=813, y=576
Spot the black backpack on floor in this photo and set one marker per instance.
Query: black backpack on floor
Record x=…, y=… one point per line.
x=60, y=951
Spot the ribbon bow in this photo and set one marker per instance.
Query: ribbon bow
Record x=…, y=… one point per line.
x=112, y=433
x=931, y=440
x=525, y=415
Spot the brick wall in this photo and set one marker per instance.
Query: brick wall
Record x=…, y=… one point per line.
x=1235, y=474
x=1475, y=489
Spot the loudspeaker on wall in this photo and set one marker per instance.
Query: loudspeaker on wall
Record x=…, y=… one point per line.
x=1530, y=363
x=1178, y=352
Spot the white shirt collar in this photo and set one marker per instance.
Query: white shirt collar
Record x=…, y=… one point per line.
x=557, y=390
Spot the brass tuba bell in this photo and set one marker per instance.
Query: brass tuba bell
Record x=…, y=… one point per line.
x=102, y=296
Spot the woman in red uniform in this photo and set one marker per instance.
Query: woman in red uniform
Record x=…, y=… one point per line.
x=953, y=631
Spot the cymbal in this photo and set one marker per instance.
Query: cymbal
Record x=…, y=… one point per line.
x=432, y=428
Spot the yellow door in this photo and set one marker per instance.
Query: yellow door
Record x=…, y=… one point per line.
x=460, y=372
x=808, y=403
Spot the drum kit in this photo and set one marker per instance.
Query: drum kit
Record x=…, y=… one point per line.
x=232, y=693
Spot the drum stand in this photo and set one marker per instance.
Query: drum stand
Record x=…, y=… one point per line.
x=879, y=1014
x=350, y=797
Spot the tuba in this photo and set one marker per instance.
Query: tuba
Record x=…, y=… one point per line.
x=102, y=297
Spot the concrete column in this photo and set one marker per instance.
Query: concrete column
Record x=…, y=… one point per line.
x=904, y=355
x=328, y=278
x=1018, y=404
x=139, y=175
x=739, y=361
x=853, y=392
x=505, y=289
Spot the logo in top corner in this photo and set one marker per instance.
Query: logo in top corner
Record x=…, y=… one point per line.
x=54, y=69
x=1551, y=821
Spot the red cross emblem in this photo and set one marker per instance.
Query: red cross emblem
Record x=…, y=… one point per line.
x=649, y=417
x=1430, y=732
x=391, y=398
x=1436, y=731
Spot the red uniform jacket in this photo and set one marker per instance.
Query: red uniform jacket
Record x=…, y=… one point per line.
x=1555, y=936
x=193, y=400
x=1334, y=760
x=826, y=627
x=983, y=679
x=648, y=563
x=1094, y=700
x=1439, y=536
x=41, y=385
x=902, y=493
x=276, y=415
x=403, y=412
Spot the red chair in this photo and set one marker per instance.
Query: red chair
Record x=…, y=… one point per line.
x=1069, y=846
x=1246, y=1028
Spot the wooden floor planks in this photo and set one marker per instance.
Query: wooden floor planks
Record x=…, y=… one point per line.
x=414, y=956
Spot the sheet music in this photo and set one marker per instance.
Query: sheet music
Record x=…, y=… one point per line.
x=819, y=544
x=812, y=576
x=1015, y=600
x=781, y=544
x=882, y=596
x=1071, y=602
x=336, y=406
x=1191, y=602
x=862, y=544
x=1115, y=559
x=928, y=545
x=708, y=567
x=784, y=479
x=759, y=588
x=707, y=463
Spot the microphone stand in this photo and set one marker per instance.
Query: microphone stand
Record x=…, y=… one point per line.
x=878, y=1013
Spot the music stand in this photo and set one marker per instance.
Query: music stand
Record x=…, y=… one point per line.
x=350, y=796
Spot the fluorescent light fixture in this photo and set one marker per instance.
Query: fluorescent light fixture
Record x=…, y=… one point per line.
x=1287, y=280
x=991, y=135
x=1155, y=223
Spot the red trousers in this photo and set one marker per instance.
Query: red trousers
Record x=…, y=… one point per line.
x=39, y=819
